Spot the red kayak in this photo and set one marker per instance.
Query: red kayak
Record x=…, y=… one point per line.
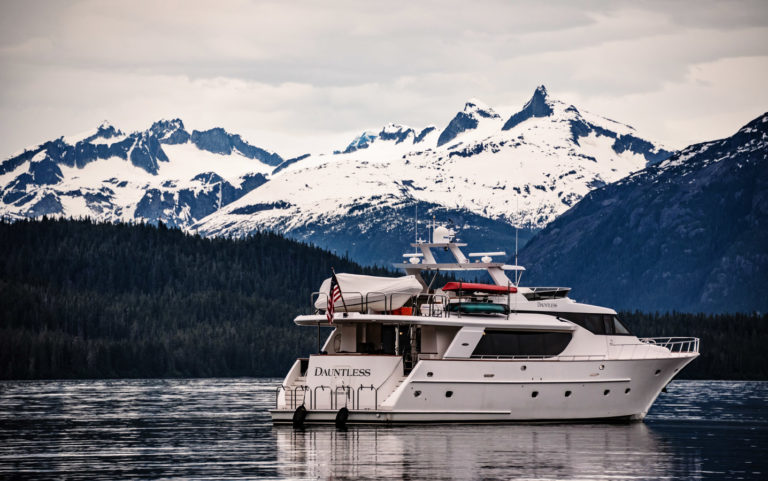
x=475, y=287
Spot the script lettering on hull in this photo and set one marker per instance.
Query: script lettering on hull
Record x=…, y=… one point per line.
x=341, y=371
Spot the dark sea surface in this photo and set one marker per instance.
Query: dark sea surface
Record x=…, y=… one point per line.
x=220, y=429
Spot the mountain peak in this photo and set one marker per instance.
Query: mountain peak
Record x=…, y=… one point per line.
x=759, y=124
x=467, y=119
x=105, y=130
x=362, y=141
x=474, y=106
x=538, y=106
x=396, y=132
x=170, y=131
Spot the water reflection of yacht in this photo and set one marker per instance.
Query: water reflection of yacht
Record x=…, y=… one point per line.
x=403, y=351
x=530, y=451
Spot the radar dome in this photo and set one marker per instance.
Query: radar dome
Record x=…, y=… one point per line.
x=442, y=235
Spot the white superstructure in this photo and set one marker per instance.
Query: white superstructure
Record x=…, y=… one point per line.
x=471, y=352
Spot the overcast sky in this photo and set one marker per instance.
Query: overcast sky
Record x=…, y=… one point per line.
x=306, y=76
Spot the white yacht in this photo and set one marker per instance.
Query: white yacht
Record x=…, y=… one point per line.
x=405, y=351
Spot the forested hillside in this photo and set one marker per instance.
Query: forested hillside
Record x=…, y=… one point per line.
x=85, y=300
x=79, y=299
x=732, y=345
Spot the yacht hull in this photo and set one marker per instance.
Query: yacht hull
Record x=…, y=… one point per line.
x=405, y=417
x=496, y=391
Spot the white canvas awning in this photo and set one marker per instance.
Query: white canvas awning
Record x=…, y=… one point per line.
x=361, y=292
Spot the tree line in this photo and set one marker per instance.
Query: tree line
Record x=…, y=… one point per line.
x=80, y=299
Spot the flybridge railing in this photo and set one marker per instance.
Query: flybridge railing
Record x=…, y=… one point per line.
x=432, y=305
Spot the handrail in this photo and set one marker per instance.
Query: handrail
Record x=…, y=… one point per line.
x=314, y=406
x=383, y=295
x=637, y=350
x=572, y=357
x=346, y=294
x=436, y=307
x=294, y=400
x=277, y=394
x=375, y=395
x=674, y=344
x=349, y=394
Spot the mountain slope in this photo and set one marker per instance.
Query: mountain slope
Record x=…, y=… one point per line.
x=690, y=233
x=487, y=174
x=523, y=176
x=161, y=174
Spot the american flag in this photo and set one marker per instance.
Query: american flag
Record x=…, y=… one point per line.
x=333, y=297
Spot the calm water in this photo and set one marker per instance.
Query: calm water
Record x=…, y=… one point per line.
x=214, y=428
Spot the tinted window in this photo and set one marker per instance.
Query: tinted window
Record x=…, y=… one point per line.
x=597, y=323
x=594, y=323
x=619, y=328
x=388, y=339
x=591, y=322
x=517, y=343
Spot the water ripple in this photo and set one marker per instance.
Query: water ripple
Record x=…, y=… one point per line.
x=220, y=429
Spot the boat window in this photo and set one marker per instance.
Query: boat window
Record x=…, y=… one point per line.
x=619, y=328
x=388, y=339
x=594, y=323
x=597, y=323
x=520, y=343
x=591, y=322
x=369, y=338
x=544, y=293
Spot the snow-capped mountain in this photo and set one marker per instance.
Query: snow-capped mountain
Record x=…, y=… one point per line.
x=549, y=157
x=480, y=169
x=688, y=234
x=161, y=174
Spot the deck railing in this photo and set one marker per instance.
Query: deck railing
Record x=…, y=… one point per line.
x=630, y=350
x=434, y=303
x=674, y=344
x=647, y=347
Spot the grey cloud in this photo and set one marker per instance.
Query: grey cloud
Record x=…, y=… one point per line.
x=295, y=68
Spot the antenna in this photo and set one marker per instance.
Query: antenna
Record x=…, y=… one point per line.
x=416, y=227
x=517, y=214
x=433, y=228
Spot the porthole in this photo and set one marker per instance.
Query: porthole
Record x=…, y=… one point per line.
x=448, y=393
x=626, y=391
x=567, y=393
x=534, y=393
x=606, y=392
x=602, y=366
x=658, y=371
x=523, y=367
x=429, y=374
x=416, y=393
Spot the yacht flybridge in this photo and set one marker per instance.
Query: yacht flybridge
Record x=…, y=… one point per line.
x=406, y=351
